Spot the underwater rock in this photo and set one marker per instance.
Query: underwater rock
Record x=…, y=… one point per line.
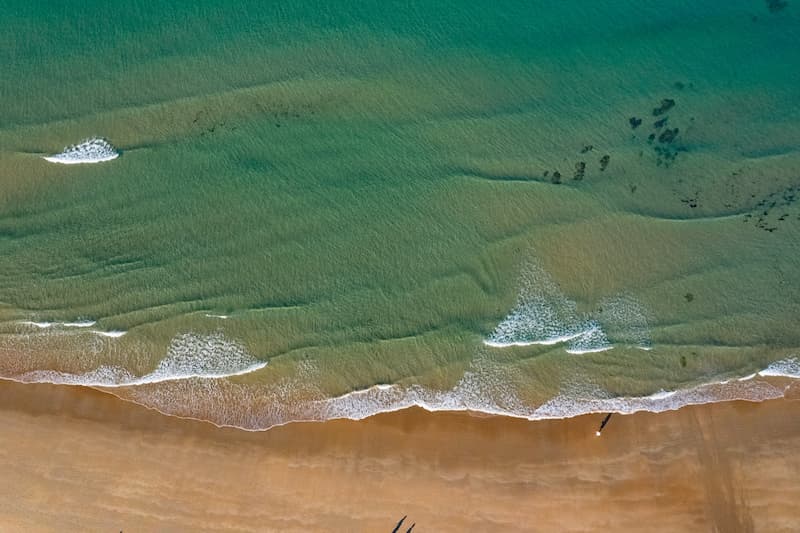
x=580, y=170
x=658, y=124
x=666, y=105
x=556, y=179
x=668, y=135
x=95, y=150
x=635, y=122
x=604, y=161
x=776, y=5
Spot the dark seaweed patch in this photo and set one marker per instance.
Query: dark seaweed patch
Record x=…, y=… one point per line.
x=691, y=201
x=666, y=105
x=580, y=170
x=776, y=5
x=764, y=216
x=668, y=135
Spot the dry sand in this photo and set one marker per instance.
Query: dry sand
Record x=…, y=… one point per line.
x=79, y=460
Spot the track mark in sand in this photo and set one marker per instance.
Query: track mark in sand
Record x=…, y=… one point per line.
x=726, y=505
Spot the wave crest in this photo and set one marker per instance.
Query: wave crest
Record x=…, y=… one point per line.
x=544, y=315
x=94, y=150
x=188, y=356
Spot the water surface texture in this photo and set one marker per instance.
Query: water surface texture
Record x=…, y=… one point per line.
x=327, y=209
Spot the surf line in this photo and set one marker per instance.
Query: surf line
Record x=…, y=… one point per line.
x=603, y=424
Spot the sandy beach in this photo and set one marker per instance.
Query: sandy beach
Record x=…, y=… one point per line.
x=79, y=460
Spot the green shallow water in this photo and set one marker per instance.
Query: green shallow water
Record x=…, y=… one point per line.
x=366, y=191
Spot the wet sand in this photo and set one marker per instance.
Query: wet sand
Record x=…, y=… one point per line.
x=79, y=460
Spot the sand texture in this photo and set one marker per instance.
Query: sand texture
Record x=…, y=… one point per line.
x=79, y=460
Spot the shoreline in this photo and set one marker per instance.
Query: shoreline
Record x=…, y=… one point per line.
x=774, y=381
x=77, y=459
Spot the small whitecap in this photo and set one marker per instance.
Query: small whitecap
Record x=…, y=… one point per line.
x=188, y=356
x=94, y=150
x=80, y=324
x=113, y=334
x=40, y=325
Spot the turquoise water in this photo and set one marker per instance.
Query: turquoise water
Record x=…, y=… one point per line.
x=443, y=205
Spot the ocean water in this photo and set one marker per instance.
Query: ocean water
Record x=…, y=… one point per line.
x=312, y=210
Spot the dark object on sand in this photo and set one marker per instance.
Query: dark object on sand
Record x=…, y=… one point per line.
x=400, y=523
x=603, y=424
x=604, y=162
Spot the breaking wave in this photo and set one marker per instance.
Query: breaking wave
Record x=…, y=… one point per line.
x=188, y=356
x=45, y=325
x=788, y=368
x=544, y=315
x=94, y=150
x=80, y=324
x=113, y=334
x=487, y=387
x=468, y=395
x=190, y=381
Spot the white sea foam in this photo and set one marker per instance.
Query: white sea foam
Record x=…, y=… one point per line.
x=593, y=339
x=189, y=356
x=789, y=367
x=40, y=325
x=542, y=342
x=662, y=394
x=183, y=384
x=486, y=387
x=45, y=325
x=489, y=388
x=531, y=322
x=79, y=324
x=472, y=393
x=362, y=404
x=221, y=317
x=590, y=349
x=94, y=150
x=625, y=320
x=544, y=315
x=568, y=405
x=113, y=334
